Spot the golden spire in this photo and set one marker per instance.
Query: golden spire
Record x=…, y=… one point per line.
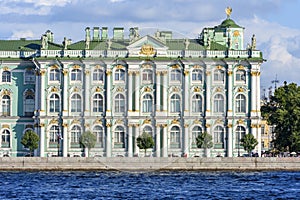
x=228, y=11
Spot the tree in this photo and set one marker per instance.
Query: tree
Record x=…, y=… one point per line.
x=30, y=140
x=283, y=112
x=249, y=143
x=204, y=140
x=145, y=141
x=88, y=140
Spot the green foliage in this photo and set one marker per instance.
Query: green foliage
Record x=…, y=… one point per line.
x=145, y=141
x=88, y=140
x=30, y=140
x=283, y=111
x=204, y=141
x=249, y=143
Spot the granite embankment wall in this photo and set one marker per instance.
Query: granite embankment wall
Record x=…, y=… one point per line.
x=148, y=163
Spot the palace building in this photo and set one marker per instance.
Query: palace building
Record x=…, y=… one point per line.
x=119, y=87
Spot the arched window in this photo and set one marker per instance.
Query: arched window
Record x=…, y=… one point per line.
x=119, y=103
x=98, y=131
x=6, y=77
x=98, y=75
x=148, y=130
x=120, y=75
x=175, y=103
x=219, y=75
x=240, y=132
x=175, y=137
x=219, y=103
x=147, y=75
x=97, y=103
x=197, y=103
x=119, y=139
x=197, y=75
x=76, y=75
x=54, y=75
x=6, y=105
x=54, y=134
x=195, y=133
x=219, y=137
x=240, y=103
x=175, y=75
x=29, y=76
x=54, y=103
x=76, y=103
x=240, y=75
x=5, y=139
x=147, y=103
x=29, y=105
x=75, y=134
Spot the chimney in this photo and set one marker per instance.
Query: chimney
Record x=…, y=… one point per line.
x=104, y=33
x=118, y=33
x=96, y=34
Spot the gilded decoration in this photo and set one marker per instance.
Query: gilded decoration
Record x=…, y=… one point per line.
x=5, y=126
x=197, y=89
x=6, y=92
x=119, y=66
x=219, y=89
x=147, y=49
x=236, y=33
x=146, y=66
x=175, y=121
x=241, y=67
x=255, y=125
x=255, y=73
x=164, y=73
x=53, y=121
x=54, y=89
x=97, y=67
x=197, y=121
x=186, y=125
x=147, y=121
x=75, y=121
x=164, y=125
x=219, y=67
x=54, y=67
x=229, y=125
x=65, y=72
x=208, y=73
x=108, y=72
x=176, y=89
x=87, y=72
x=207, y=125
x=119, y=89
x=29, y=92
x=108, y=124
x=98, y=89
x=76, y=67
x=65, y=125
x=87, y=125
x=130, y=73
x=119, y=121
x=76, y=89
x=240, y=121
x=175, y=66
x=97, y=121
x=229, y=73
x=42, y=72
x=158, y=73
x=147, y=89
x=240, y=89
x=5, y=68
x=197, y=67
x=186, y=72
x=219, y=121
x=228, y=11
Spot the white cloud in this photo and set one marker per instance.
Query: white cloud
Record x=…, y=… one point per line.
x=22, y=34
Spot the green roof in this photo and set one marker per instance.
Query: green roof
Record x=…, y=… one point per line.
x=229, y=23
x=17, y=45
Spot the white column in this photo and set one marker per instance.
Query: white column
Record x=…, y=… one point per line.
x=42, y=139
x=253, y=92
x=186, y=91
x=208, y=130
x=43, y=97
x=208, y=95
x=158, y=85
x=229, y=141
x=130, y=91
x=186, y=140
x=259, y=140
x=65, y=140
x=108, y=140
x=87, y=97
x=130, y=151
x=65, y=93
x=230, y=92
x=157, y=145
x=165, y=141
x=165, y=91
x=108, y=93
x=137, y=91
x=136, y=134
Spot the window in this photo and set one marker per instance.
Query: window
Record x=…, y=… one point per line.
x=197, y=75
x=119, y=103
x=219, y=137
x=147, y=75
x=219, y=103
x=119, y=139
x=147, y=103
x=29, y=76
x=75, y=134
x=6, y=105
x=240, y=132
x=6, y=77
x=147, y=130
x=219, y=75
x=97, y=103
x=5, y=139
x=76, y=103
x=175, y=103
x=175, y=137
x=76, y=75
x=195, y=133
x=54, y=103
x=29, y=105
x=175, y=75
x=54, y=134
x=98, y=131
x=54, y=75
x=119, y=75
x=98, y=75
x=240, y=103
x=197, y=103
x=240, y=75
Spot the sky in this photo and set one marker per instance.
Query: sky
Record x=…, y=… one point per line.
x=275, y=23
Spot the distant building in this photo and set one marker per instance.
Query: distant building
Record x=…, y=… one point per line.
x=119, y=87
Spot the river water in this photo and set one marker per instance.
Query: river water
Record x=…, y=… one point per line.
x=150, y=185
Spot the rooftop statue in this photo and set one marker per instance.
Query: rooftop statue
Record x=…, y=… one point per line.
x=228, y=11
